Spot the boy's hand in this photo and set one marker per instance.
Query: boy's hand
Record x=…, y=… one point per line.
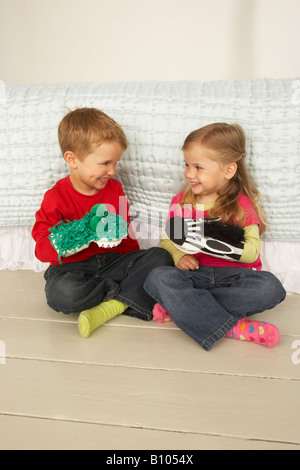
x=188, y=263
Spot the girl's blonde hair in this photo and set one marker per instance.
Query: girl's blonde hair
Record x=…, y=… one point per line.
x=229, y=141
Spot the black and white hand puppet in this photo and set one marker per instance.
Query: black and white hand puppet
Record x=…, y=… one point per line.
x=210, y=236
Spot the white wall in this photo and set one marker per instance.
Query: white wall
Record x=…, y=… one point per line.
x=123, y=40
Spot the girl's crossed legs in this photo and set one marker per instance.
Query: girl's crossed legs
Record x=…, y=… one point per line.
x=209, y=302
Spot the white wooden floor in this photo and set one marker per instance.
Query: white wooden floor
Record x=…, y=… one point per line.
x=137, y=385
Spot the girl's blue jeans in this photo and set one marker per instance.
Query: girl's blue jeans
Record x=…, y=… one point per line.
x=73, y=287
x=207, y=303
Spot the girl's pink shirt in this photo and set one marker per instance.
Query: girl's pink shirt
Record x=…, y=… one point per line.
x=207, y=260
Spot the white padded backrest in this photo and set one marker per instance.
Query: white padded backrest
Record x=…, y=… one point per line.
x=156, y=117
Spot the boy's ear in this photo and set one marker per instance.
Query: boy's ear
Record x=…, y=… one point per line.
x=230, y=170
x=70, y=158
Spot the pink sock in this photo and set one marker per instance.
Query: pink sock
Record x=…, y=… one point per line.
x=160, y=314
x=258, y=332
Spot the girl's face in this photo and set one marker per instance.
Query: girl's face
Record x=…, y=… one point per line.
x=204, y=174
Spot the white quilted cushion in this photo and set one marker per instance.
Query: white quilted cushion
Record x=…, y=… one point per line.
x=156, y=117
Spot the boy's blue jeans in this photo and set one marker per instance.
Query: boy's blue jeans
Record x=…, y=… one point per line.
x=207, y=303
x=73, y=287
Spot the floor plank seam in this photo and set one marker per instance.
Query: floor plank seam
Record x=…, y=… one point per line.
x=26, y=291
x=148, y=368
x=113, y=325
x=152, y=428
x=74, y=321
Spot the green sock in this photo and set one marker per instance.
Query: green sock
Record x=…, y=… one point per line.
x=91, y=319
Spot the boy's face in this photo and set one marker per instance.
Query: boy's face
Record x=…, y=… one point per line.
x=91, y=174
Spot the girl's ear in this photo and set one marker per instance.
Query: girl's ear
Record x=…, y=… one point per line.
x=230, y=170
x=70, y=158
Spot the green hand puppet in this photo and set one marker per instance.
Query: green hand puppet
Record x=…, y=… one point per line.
x=99, y=226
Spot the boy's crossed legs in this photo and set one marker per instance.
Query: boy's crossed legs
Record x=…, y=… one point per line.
x=104, y=286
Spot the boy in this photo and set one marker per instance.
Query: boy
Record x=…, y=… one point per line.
x=99, y=283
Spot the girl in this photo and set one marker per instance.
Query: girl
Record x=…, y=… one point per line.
x=212, y=232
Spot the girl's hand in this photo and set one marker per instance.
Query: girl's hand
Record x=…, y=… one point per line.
x=188, y=263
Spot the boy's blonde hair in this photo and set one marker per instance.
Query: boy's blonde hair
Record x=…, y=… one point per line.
x=229, y=141
x=81, y=128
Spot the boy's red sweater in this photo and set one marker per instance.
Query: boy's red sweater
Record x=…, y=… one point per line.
x=63, y=202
